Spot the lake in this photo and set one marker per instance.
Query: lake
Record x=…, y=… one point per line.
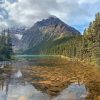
x=36, y=77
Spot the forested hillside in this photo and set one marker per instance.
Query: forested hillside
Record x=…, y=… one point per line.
x=5, y=46
x=86, y=47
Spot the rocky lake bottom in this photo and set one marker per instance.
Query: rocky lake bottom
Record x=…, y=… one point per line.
x=49, y=78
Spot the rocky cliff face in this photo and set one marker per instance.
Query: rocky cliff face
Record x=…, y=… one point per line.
x=47, y=29
x=16, y=34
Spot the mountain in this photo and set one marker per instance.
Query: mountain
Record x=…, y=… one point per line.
x=45, y=31
x=16, y=34
x=85, y=47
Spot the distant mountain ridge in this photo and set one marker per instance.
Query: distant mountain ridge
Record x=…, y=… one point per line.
x=16, y=33
x=45, y=30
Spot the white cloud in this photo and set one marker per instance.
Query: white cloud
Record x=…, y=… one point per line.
x=27, y=12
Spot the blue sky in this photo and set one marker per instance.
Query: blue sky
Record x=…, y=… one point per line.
x=77, y=13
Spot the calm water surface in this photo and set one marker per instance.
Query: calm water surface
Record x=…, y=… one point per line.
x=16, y=88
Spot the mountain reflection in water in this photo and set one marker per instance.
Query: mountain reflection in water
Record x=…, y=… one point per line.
x=73, y=92
x=17, y=89
x=28, y=92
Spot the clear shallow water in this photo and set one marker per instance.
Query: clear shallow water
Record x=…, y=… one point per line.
x=73, y=92
x=28, y=92
x=18, y=89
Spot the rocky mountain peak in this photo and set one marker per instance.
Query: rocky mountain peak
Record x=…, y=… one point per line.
x=47, y=29
x=51, y=20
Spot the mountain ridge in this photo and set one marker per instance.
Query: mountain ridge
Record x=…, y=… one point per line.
x=45, y=30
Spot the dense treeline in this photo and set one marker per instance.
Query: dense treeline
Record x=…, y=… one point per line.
x=5, y=46
x=85, y=47
x=92, y=40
